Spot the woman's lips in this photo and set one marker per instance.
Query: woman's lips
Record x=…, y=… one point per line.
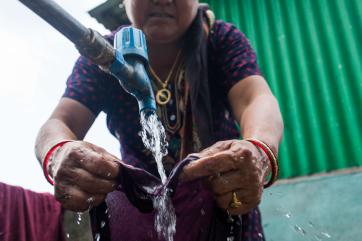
x=160, y=15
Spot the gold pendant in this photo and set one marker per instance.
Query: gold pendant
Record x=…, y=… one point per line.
x=163, y=96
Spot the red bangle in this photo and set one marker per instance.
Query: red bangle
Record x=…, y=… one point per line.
x=47, y=158
x=272, y=159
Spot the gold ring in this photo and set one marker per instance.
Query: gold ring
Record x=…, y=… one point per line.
x=235, y=202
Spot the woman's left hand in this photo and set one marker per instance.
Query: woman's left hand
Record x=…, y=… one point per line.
x=236, y=171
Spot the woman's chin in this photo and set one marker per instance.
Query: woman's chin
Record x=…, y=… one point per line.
x=161, y=36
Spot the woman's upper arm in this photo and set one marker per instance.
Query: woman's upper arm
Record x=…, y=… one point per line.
x=237, y=61
x=76, y=116
x=245, y=91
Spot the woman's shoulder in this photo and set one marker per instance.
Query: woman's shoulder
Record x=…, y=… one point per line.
x=222, y=29
x=226, y=36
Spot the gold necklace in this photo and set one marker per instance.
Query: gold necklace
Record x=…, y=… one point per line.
x=163, y=95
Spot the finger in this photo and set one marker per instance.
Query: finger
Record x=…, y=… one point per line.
x=247, y=199
x=217, y=147
x=228, y=182
x=100, y=164
x=75, y=199
x=209, y=166
x=88, y=182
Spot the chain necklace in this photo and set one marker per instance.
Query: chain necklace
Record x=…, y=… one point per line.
x=163, y=95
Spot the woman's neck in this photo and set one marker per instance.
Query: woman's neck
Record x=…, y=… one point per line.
x=162, y=57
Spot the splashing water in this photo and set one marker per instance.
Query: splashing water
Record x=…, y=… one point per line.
x=79, y=218
x=154, y=138
x=165, y=220
x=97, y=237
x=310, y=231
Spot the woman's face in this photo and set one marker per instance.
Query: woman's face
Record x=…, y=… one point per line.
x=162, y=21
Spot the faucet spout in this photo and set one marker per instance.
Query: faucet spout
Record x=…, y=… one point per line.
x=129, y=66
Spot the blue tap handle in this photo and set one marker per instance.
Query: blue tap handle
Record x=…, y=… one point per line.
x=129, y=66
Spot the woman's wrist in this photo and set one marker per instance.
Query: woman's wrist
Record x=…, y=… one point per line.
x=48, y=161
x=273, y=165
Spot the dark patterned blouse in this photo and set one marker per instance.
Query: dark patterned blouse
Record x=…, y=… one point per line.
x=230, y=59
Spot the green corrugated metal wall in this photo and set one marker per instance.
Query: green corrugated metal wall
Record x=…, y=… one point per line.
x=310, y=53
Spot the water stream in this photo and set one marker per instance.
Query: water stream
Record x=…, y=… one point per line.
x=154, y=138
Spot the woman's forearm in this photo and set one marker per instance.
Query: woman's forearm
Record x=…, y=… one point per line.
x=69, y=121
x=50, y=133
x=262, y=120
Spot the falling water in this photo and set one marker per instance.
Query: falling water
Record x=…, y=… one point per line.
x=154, y=138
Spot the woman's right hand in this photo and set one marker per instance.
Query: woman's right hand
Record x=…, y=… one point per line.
x=83, y=175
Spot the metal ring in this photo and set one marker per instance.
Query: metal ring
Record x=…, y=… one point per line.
x=235, y=202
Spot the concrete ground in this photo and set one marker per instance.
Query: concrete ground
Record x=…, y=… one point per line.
x=317, y=208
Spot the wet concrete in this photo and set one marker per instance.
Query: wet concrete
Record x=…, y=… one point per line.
x=323, y=207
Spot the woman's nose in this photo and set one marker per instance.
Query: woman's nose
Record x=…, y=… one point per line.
x=162, y=1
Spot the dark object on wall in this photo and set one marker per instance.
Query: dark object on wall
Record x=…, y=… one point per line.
x=111, y=14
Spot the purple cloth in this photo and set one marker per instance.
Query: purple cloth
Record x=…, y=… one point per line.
x=29, y=216
x=133, y=201
x=193, y=211
x=141, y=186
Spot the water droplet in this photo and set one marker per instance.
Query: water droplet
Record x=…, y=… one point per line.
x=79, y=217
x=288, y=215
x=260, y=235
x=202, y=212
x=90, y=200
x=97, y=237
x=68, y=235
x=108, y=174
x=317, y=238
x=300, y=230
x=103, y=224
x=327, y=235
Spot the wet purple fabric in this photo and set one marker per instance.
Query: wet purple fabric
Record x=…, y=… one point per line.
x=141, y=186
x=193, y=211
x=133, y=201
x=29, y=216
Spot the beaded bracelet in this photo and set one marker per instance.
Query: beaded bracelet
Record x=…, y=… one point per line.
x=47, y=158
x=272, y=159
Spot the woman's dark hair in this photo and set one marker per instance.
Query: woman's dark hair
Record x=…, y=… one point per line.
x=196, y=70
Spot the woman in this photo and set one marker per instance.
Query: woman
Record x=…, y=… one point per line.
x=206, y=80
